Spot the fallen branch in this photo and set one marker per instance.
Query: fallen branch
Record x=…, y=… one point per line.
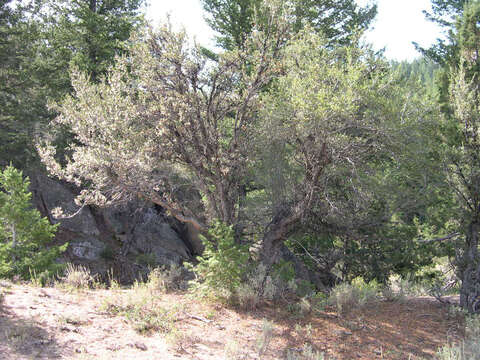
x=199, y=318
x=448, y=237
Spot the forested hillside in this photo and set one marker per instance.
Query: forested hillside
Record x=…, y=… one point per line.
x=291, y=163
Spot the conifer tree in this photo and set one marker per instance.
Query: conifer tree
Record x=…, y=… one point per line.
x=462, y=159
x=24, y=234
x=337, y=20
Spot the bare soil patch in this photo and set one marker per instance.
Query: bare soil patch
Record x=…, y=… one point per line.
x=49, y=323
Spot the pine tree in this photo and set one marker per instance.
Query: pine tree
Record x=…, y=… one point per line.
x=24, y=234
x=22, y=96
x=89, y=33
x=337, y=20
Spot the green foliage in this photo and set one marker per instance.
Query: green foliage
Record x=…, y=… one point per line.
x=148, y=260
x=24, y=234
x=445, y=14
x=107, y=253
x=422, y=70
x=461, y=144
x=22, y=93
x=337, y=20
x=265, y=338
x=305, y=288
x=346, y=297
x=89, y=34
x=307, y=353
x=327, y=140
x=40, y=41
x=284, y=270
x=223, y=264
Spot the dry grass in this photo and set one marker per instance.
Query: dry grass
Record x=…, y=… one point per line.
x=141, y=307
x=77, y=277
x=166, y=279
x=141, y=322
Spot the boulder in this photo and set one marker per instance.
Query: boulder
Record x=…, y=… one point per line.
x=143, y=228
x=87, y=249
x=50, y=194
x=148, y=231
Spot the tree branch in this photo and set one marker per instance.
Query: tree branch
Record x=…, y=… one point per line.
x=448, y=237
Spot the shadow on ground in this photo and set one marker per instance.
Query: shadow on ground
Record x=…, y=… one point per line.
x=413, y=329
x=24, y=338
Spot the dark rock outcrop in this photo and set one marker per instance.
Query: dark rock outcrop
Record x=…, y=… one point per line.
x=98, y=235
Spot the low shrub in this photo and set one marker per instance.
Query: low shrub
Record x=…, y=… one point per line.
x=260, y=286
x=247, y=297
x=467, y=350
x=304, y=332
x=305, y=288
x=147, y=260
x=42, y=279
x=107, y=253
x=233, y=350
x=306, y=353
x=319, y=301
x=346, y=297
x=165, y=279
x=180, y=340
x=398, y=287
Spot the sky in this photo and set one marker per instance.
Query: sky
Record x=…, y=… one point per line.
x=397, y=25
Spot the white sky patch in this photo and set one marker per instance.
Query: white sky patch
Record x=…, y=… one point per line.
x=183, y=13
x=398, y=24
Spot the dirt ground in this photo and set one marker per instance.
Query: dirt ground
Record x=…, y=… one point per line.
x=50, y=323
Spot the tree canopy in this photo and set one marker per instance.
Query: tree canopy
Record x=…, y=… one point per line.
x=296, y=138
x=179, y=123
x=337, y=20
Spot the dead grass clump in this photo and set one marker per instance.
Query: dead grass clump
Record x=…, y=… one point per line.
x=305, y=353
x=247, y=297
x=140, y=307
x=180, y=340
x=304, y=332
x=265, y=337
x=165, y=279
x=233, y=350
x=77, y=277
x=469, y=349
x=261, y=286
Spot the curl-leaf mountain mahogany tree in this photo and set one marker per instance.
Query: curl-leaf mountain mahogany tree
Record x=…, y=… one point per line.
x=166, y=121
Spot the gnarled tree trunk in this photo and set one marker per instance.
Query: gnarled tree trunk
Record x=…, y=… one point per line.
x=470, y=271
x=273, y=249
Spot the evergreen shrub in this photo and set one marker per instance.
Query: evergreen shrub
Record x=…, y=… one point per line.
x=223, y=265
